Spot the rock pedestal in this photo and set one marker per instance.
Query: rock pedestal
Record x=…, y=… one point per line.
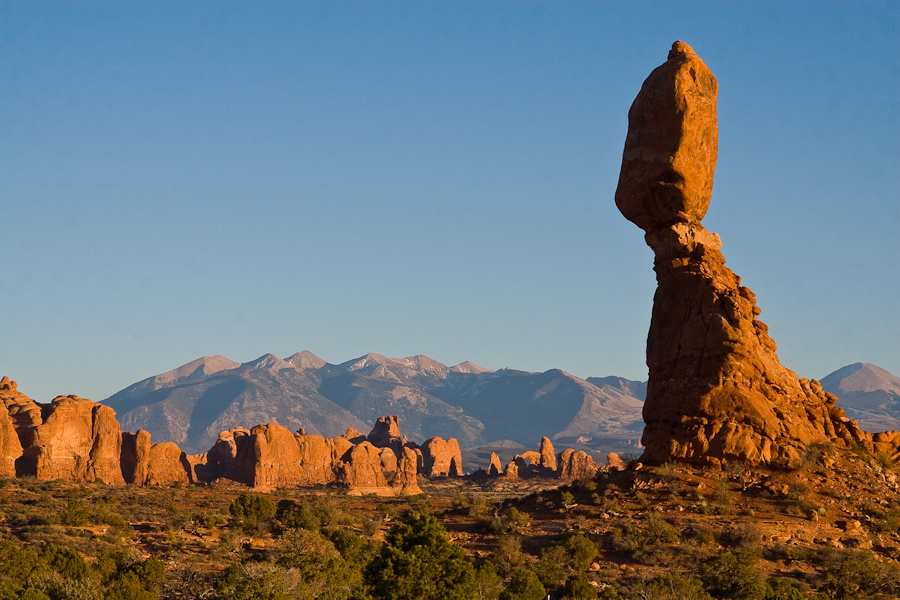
x=716, y=389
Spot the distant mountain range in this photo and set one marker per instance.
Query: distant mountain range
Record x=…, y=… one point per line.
x=193, y=403
x=190, y=405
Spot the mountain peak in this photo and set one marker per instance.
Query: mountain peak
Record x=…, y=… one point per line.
x=861, y=377
x=305, y=360
x=267, y=361
x=205, y=365
x=469, y=367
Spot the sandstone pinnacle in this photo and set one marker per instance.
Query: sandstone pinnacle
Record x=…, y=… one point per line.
x=716, y=389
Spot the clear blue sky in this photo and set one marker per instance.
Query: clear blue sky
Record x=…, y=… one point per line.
x=180, y=179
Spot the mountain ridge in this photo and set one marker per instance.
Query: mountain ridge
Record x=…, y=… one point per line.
x=191, y=404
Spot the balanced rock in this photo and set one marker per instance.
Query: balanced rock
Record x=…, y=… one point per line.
x=716, y=389
x=441, y=458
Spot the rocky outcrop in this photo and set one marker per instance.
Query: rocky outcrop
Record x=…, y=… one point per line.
x=548, y=457
x=361, y=472
x=576, y=464
x=10, y=446
x=219, y=460
x=273, y=455
x=441, y=458
x=406, y=481
x=495, y=469
x=78, y=440
x=716, y=390
x=318, y=456
x=614, y=462
x=386, y=433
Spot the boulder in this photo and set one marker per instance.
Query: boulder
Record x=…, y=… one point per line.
x=134, y=459
x=166, y=464
x=25, y=415
x=219, y=460
x=441, y=458
x=672, y=144
x=317, y=459
x=512, y=470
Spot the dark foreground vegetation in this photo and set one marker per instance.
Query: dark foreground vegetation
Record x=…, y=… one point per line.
x=825, y=530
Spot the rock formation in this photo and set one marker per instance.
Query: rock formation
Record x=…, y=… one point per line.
x=441, y=458
x=495, y=469
x=716, y=390
x=10, y=446
x=272, y=456
x=548, y=458
x=386, y=433
x=576, y=464
x=78, y=440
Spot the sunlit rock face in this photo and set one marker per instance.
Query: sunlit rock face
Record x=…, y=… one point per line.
x=716, y=390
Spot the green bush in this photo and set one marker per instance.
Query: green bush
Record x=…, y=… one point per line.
x=735, y=575
x=419, y=562
x=578, y=587
x=524, y=585
x=582, y=551
x=65, y=561
x=252, y=506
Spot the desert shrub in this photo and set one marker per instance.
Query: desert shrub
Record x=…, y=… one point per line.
x=64, y=561
x=250, y=506
x=129, y=587
x=778, y=588
x=524, y=585
x=418, y=561
x=658, y=531
x=852, y=574
x=746, y=537
x=514, y=521
x=722, y=494
x=578, y=587
x=488, y=583
x=551, y=568
x=814, y=454
x=625, y=536
x=568, y=498
x=669, y=587
x=582, y=551
x=735, y=575
x=509, y=557
x=293, y=515
x=16, y=562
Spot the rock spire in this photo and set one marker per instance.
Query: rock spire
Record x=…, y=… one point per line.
x=716, y=390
